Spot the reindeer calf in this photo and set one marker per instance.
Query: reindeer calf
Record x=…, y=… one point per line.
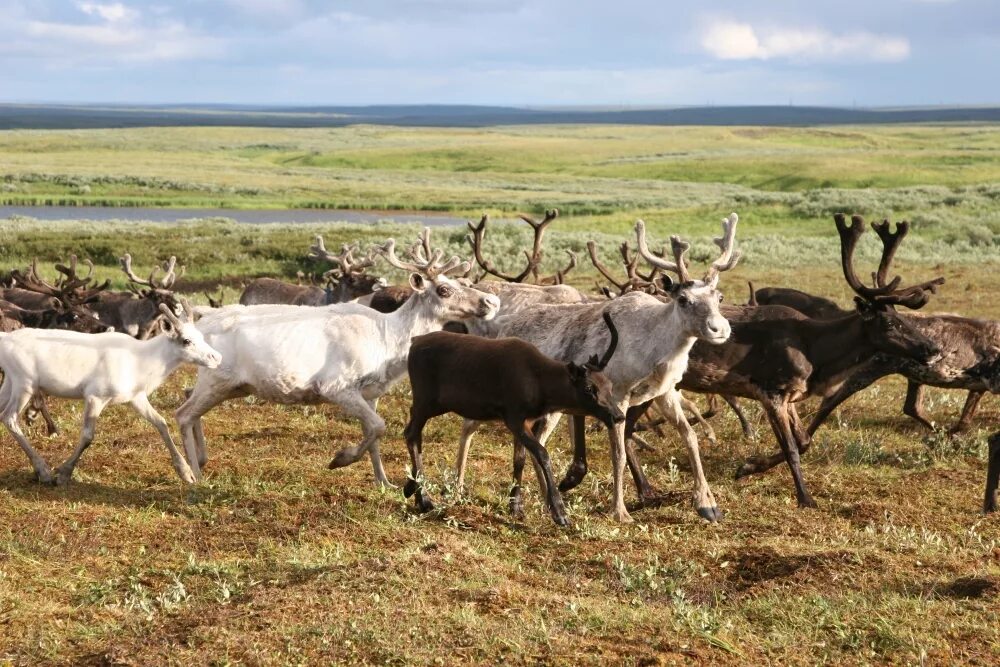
x=506, y=379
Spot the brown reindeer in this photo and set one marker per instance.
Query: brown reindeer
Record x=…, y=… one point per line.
x=970, y=359
x=507, y=379
x=346, y=281
x=137, y=311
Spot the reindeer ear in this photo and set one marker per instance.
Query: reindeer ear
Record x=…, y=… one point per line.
x=417, y=282
x=593, y=363
x=866, y=309
x=576, y=371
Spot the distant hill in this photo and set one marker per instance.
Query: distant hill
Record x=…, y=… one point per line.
x=44, y=116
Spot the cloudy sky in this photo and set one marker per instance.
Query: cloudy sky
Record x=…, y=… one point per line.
x=506, y=52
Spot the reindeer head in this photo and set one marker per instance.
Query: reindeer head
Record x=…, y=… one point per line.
x=444, y=298
x=696, y=301
x=193, y=347
x=594, y=390
x=349, y=275
x=884, y=328
x=157, y=290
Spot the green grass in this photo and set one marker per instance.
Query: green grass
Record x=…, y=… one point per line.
x=274, y=559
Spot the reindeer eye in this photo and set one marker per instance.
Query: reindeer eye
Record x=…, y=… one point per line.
x=185, y=342
x=444, y=291
x=721, y=297
x=683, y=301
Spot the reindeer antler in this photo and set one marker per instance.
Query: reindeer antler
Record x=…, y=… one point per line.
x=678, y=246
x=559, y=276
x=727, y=243
x=534, y=257
x=426, y=261
x=170, y=275
x=914, y=297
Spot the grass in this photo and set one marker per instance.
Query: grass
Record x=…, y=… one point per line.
x=274, y=559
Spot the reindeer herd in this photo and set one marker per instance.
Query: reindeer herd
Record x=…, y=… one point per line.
x=521, y=348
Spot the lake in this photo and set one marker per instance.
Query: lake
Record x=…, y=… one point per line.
x=248, y=216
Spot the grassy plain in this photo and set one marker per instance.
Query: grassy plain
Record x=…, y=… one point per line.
x=274, y=559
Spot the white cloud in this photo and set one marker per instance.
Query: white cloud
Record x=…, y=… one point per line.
x=111, y=12
x=732, y=40
x=113, y=33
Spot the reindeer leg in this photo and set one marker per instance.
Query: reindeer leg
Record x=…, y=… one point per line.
x=712, y=410
x=516, y=502
x=11, y=405
x=91, y=411
x=777, y=413
x=205, y=395
x=373, y=427
x=670, y=404
x=469, y=428
x=547, y=483
x=616, y=435
x=141, y=405
x=690, y=406
x=375, y=454
x=861, y=379
x=414, y=486
x=756, y=465
x=734, y=404
x=578, y=468
x=968, y=412
x=990, y=502
x=914, y=405
x=38, y=404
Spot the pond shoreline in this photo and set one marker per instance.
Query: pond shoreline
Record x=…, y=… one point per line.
x=246, y=216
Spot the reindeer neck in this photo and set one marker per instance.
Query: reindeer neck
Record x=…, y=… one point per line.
x=159, y=357
x=664, y=320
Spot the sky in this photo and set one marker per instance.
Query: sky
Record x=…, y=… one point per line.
x=621, y=53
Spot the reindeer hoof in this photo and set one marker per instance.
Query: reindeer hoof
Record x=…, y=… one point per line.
x=711, y=514
x=752, y=466
x=409, y=488
x=573, y=477
x=807, y=502
x=561, y=521
x=622, y=516
x=63, y=477
x=341, y=459
x=44, y=477
x=424, y=505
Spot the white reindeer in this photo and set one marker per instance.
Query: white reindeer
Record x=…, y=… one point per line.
x=101, y=369
x=347, y=354
x=655, y=339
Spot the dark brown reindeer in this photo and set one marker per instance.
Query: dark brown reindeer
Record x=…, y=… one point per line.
x=346, y=281
x=504, y=379
x=970, y=358
x=992, y=475
x=778, y=357
x=137, y=311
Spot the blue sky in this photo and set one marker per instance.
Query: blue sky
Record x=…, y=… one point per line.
x=506, y=52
